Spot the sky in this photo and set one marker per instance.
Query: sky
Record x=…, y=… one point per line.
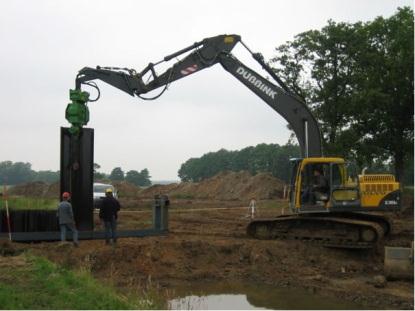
x=45, y=43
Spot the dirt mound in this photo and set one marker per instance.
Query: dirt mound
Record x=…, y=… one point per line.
x=150, y=192
x=54, y=190
x=229, y=186
x=36, y=189
x=223, y=186
x=9, y=249
x=32, y=189
x=126, y=189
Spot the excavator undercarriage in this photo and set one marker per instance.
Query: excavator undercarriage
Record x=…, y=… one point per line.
x=342, y=230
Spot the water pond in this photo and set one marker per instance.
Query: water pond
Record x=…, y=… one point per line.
x=238, y=296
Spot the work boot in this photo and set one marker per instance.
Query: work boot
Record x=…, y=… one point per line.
x=76, y=244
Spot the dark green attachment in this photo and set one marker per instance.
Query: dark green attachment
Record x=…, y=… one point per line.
x=77, y=112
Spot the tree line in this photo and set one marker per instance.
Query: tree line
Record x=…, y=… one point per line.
x=137, y=178
x=271, y=158
x=22, y=172
x=266, y=158
x=357, y=79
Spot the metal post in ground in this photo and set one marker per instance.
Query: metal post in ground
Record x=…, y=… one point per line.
x=6, y=201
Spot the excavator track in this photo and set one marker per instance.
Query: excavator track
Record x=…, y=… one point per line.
x=342, y=231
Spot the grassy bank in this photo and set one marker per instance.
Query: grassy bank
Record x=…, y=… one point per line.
x=29, y=282
x=29, y=203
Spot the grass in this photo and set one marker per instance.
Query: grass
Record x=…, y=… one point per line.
x=29, y=203
x=40, y=284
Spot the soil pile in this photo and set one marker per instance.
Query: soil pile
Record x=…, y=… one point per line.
x=35, y=189
x=170, y=189
x=54, y=190
x=126, y=189
x=223, y=186
x=45, y=190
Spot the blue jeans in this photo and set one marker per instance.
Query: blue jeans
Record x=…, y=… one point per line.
x=111, y=230
x=70, y=227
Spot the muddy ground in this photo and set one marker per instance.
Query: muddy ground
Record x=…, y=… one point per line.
x=208, y=242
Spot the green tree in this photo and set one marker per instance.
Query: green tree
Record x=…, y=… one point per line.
x=5, y=168
x=270, y=158
x=117, y=174
x=385, y=97
x=47, y=176
x=20, y=172
x=15, y=173
x=241, y=159
x=98, y=175
x=358, y=81
x=281, y=167
x=133, y=177
x=145, y=178
x=141, y=178
x=189, y=171
x=319, y=67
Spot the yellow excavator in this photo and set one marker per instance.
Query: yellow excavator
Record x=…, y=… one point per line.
x=326, y=206
x=337, y=212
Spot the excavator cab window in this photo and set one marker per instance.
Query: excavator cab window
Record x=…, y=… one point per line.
x=315, y=183
x=336, y=177
x=341, y=192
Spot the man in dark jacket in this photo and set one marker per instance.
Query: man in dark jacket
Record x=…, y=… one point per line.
x=66, y=219
x=108, y=214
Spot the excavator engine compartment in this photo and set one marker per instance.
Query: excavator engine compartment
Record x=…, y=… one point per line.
x=380, y=191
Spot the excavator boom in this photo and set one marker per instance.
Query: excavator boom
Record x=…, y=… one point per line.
x=207, y=53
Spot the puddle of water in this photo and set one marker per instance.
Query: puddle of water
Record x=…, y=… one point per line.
x=212, y=302
x=236, y=296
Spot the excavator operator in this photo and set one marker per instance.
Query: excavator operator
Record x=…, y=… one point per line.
x=320, y=186
x=317, y=188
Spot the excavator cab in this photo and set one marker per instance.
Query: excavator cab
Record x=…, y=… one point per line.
x=321, y=185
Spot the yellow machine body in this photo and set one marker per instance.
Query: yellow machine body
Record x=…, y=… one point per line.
x=368, y=193
x=374, y=188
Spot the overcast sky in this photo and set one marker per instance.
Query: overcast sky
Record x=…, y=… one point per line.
x=45, y=43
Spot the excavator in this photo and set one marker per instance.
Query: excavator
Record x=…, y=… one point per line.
x=326, y=206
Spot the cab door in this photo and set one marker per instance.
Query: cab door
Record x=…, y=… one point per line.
x=343, y=197
x=310, y=198
x=295, y=171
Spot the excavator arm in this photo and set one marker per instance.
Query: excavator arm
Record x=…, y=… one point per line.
x=204, y=54
x=289, y=106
